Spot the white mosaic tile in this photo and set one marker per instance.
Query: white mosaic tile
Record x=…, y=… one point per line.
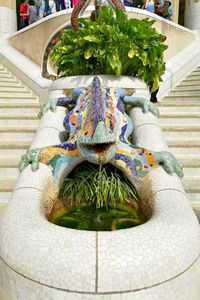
x=40, y=179
x=15, y=287
x=64, y=258
x=53, y=119
x=147, y=133
x=151, y=253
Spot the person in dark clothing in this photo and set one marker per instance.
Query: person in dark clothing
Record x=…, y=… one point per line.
x=130, y=3
x=24, y=14
x=58, y=4
x=47, y=8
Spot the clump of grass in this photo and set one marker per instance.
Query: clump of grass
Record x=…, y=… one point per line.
x=100, y=186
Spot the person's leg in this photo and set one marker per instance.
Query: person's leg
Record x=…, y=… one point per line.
x=57, y=2
x=154, y=96
x=23, y=23
x=63, y=4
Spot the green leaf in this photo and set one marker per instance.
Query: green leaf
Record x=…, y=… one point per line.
x=91, y=38
x=131, y=53
x=88, y=53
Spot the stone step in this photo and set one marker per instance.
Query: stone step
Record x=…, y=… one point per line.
x=193, y=77
x=178, y=114
x=196, y=71
x=180, y=127
x=183, y=99
x=189, y=161
x=189, y=82
x=6, y=153
x=7, y=184
x=9, y=79
x=17, y=135
x=180, y=120
x=27, y=116
x=192, y=184
x=9, y=172
x=22, y=100
x=184, y=94
x=177, y=109
x=17, y=94
x=9, y=162
x=13, y=89
x=16, y=122
x=184, y=143
x=6, y=75
x=13, y=129
x=4, y=199
x=4, y=71
x=180, y=150
x=8, y=144
x=18, y=111
x=11, y=84
x=174, y=102
x=19, y=105
x=188, y=88
x=181, y=134
x=192, y=172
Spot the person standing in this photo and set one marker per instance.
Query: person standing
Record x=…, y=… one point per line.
x=149, y=6
x=130, y=3
x=62, y=2
x=158, y=7
x=33, y=17
x=24, y=14
x=41, y=5
x=167, y=10
x=58, y=4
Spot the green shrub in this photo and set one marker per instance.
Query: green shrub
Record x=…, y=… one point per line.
x=101, y=186
x=112, y=45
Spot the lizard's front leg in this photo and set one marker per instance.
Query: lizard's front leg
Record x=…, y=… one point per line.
x=137, y=101
x=60, y=158
x=133, y=161
x=137, y=161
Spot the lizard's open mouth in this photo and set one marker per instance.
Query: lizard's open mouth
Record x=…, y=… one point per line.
x=98, y=148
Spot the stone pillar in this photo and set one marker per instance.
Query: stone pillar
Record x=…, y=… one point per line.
x=175, y=7
x=192, y=14
x=8, y=18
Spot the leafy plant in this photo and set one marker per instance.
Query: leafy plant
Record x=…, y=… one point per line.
x=101, y=186
x=112, y=45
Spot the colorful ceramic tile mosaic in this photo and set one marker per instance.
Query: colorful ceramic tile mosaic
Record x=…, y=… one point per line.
x=98, y=129
x=53, y=41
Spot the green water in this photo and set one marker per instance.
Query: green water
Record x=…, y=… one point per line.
x=87, y=217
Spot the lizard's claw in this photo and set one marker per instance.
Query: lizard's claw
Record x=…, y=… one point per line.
x=48, y=104
x=147, y=106
x=31, y=157
x=169, y=163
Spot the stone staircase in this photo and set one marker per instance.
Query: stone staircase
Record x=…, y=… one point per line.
x=18, y=124
x=180, y=121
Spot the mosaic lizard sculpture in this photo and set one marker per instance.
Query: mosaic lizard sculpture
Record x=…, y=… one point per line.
x=98, y=129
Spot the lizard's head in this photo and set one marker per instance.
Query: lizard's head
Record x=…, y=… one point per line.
x=97, y=136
